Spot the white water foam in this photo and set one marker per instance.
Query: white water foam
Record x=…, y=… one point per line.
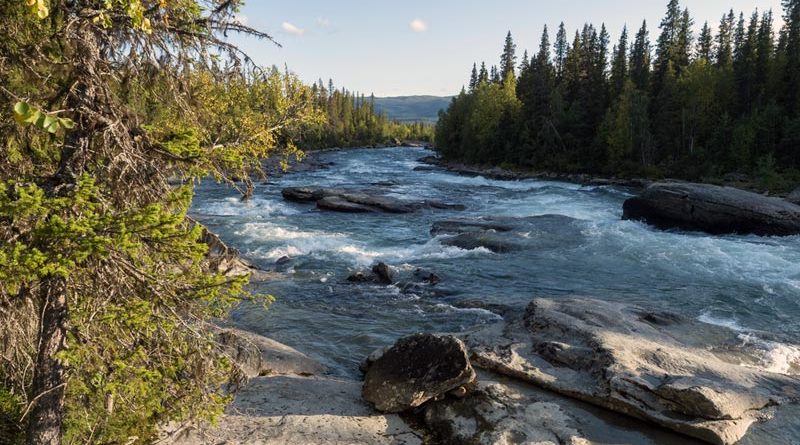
x=295, y=242
x=777, y=357
x=256, y=207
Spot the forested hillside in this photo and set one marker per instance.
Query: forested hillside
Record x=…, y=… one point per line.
x=354, y=120
x=412, y=108
x=690, y=105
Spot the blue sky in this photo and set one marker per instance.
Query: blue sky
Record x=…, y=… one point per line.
x=411, y=47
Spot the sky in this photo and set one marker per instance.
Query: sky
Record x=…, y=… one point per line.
x=415, y=47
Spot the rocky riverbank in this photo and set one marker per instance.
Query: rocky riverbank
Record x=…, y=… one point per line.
x=503, y=174
x=519, y=381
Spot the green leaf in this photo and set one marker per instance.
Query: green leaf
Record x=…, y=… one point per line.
x=22, y=109
x=34, y=117
x=50, y=124
x=40, y=117
x=66, y=122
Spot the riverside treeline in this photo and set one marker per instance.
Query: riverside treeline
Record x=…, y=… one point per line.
x=689, y=105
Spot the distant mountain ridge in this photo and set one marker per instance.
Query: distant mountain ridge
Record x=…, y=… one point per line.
x=412, y=108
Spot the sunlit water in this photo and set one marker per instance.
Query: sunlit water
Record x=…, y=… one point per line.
x=749, y=283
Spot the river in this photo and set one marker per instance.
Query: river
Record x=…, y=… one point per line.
x=749, y=283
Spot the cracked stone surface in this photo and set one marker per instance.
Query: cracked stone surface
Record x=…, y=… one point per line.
x=679, y=373
x=495, y=414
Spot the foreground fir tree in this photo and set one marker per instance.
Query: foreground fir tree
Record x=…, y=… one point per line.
x=109, y=111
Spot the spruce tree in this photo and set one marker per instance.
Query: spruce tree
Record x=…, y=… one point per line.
x=508, y=60
x=791, y=54
x=640, y=59
x=667, y=44
x=705, y=43
x=619, y=66
x=473, y=79
x=483, y=75
x=724, y=56
x=561, y=48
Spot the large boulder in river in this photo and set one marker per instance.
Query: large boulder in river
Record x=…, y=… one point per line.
x=677, y=372
x=713, y=209
x=415, y=370
x=360, y=201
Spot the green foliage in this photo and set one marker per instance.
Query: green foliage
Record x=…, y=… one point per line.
x=101, y=146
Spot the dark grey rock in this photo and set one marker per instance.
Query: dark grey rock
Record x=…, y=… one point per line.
x=427, y=276
x=415, y=370
x=363, y=201
x=383, y=273
x=713, y=209
x=339, y=204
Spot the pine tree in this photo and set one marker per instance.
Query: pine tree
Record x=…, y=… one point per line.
x=508, y=60
x=526, y=62
x=483, y=75
x=791, y=55
x=561, y=49
x=744, y=64
x=667, y=44
x=683, y=43
x=604, y=39
x=619, y=66
x=705, y=43
x=724, y=57
x=765, y=56
x=494, y=75
x=473, y=79
x=640, y=59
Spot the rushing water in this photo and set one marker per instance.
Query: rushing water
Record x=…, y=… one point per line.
x=749, y=283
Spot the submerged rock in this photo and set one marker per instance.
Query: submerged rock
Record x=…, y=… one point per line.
x=507, y=234
x=713, y=209
x=415, y=370
x=383, y=273
x=679, y=373
x=497, y=415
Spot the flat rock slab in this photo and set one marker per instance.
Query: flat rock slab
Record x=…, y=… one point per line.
x=713, y=209
x=360, y=201
x=495, y=414
x=415, y=370
x=679, y=373
x=304, y=411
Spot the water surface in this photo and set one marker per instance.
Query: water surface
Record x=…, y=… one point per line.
x=749, y=283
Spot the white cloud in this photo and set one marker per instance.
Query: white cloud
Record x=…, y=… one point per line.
x=288, y=28
x=418, y=25
x=323, y=22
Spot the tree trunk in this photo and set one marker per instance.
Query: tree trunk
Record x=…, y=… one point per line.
x=46, y=416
